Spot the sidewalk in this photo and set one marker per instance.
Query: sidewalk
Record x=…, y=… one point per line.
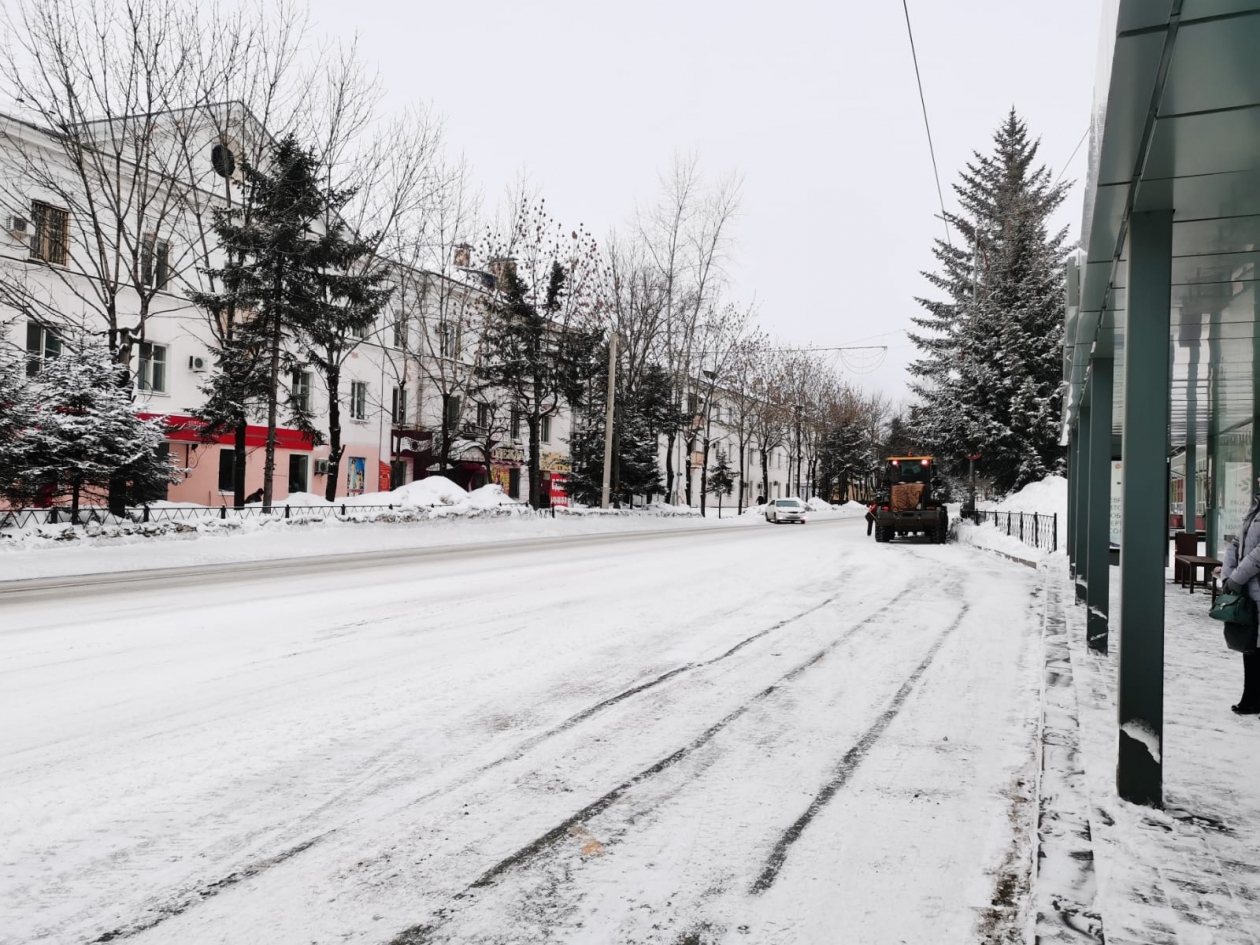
x=1189, y=874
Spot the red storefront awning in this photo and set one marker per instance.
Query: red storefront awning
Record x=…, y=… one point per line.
x=184, y=429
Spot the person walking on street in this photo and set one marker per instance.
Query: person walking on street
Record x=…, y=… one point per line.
x=1241, y=573
x=870, y=519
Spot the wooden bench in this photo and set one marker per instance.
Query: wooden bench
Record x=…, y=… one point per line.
x=1191, y=571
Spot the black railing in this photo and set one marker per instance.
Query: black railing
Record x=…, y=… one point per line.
x=1035, y=529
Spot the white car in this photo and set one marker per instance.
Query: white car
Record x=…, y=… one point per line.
x=785, y=510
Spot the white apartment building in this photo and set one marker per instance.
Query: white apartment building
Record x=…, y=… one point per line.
x=127, y=255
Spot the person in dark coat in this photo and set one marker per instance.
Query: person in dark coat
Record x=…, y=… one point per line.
x=870, y=519
x=1241, y=572
x=254, y=497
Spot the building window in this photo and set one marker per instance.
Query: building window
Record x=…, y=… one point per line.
x=299, y=469
x=398, y=407
x=155, y=257
x=544, y=429
x=483, y=416
x=300, y=391
x=358, y=400
x=151, y=373
x=448, y=339
x=227, y=469
x=360, y=331
x=453, y=410
x=41, y=343
x=51, y=240
x=400, y=332
x=516, y=423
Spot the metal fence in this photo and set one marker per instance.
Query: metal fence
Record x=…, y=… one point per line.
x=30, y=518
x=1035, y=529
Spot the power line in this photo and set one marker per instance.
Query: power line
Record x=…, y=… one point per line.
x=1069, y=160
x=922, y=101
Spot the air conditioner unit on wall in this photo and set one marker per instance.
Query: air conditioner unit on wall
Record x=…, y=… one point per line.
x=19, y=228
x=196, y=363
x=321, y=467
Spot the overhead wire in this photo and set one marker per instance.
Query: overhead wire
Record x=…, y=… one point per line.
x=926, y=124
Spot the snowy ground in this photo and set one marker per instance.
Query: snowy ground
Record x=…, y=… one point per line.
x=1189, y=874
x=740, y=733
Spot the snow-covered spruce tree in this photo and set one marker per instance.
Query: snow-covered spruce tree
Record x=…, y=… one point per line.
x=640, y=415
x=721, y=479
x=988, y=378
x=276, y=259
x=82, y=434
x=17, y=412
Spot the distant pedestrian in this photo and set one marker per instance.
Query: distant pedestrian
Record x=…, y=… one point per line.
x=870, y=519
x=254, y=497
x=1241, y=573
x=761, y=500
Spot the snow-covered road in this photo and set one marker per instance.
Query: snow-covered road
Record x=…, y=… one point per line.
x=743, y=735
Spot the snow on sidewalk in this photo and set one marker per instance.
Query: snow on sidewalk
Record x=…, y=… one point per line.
x=1188, y=874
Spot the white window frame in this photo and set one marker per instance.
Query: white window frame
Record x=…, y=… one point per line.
x=358, y=401
x=544, y=429
x=35, y=357
x=398, y=407
x=300, y=390
x=152, y=372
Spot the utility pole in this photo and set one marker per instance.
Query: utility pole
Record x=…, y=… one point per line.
x=798, y=451
x=608, y=421
x=971, y=462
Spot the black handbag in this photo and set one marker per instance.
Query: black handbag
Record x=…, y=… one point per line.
x=1241, y=637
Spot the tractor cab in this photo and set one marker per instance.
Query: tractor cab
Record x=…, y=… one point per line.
x=911, y=501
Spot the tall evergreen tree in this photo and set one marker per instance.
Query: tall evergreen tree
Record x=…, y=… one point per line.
x=536, y=361
x=275, y=263
x=988, y=377
x=79, y=433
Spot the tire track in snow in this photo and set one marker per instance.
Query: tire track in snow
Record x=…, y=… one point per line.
x=200, y=893
x=419, y=934
x=849, y=763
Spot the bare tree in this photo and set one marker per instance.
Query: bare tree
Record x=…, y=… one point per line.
x=687, y=235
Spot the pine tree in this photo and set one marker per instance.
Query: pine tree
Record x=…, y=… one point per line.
x=275, y=264
x=721, y=479
x=640, y=415
x=988, y=378
x=538, y=363
x=82, y=434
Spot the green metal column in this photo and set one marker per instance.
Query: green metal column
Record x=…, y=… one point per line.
x=1192, y=441
x=1144, y=522
x=1080, y=516
x=1073, y=438
x=1098, y=510
x=1211, y=488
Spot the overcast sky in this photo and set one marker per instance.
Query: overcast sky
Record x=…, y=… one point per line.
x=813, y=103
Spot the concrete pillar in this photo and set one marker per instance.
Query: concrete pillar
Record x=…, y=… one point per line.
x=1080, y=517
x=1144, y=523
x=1098, y=508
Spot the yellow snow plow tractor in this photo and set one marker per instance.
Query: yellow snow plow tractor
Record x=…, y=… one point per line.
x=911, y=501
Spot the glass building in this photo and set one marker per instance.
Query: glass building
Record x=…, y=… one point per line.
x=1161, y=347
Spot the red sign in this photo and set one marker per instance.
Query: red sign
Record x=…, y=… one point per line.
x=558, y=494
x=188, y=430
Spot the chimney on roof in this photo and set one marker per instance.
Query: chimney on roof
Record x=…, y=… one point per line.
x=463, y=256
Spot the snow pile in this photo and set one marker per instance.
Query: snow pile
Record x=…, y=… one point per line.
x=421, y=494
x=305, y=500
x=990, y=538
x=490, y=496
x=1045, y=497
x=817, y=504
x=852, y=508
x=655, y=510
